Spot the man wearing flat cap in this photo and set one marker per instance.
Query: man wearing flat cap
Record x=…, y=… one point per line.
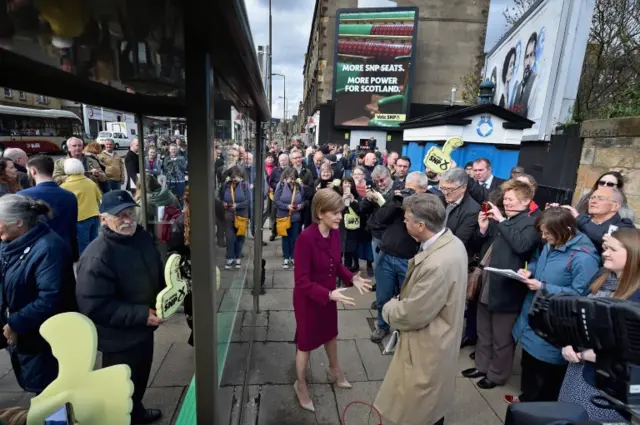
x=119, y=277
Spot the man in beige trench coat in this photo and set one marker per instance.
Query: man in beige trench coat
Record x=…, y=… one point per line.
x=419, y=386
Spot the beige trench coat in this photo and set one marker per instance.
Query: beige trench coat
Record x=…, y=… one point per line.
x=419, y=386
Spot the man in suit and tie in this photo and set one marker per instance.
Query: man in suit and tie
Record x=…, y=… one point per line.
x=318, y=159
x=484, y=185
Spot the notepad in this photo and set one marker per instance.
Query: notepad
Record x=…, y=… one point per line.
x=506, y=273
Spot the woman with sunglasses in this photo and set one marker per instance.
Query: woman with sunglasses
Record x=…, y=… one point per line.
x=611, y=179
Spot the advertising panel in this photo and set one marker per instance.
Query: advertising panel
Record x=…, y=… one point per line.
x=537, y=64
x=374, y=55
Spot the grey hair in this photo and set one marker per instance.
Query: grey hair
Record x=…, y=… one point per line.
x=420, y=178
x=380, y=171
x=455, y=175
x=73, y=166
x=285, y=155
x=73, y=139
x=426, y=208
x=617, y=196
x=16, y=208
x=14, y=154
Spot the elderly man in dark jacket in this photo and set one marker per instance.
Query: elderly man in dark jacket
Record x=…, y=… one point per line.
x=462, y=219
x=119, y=276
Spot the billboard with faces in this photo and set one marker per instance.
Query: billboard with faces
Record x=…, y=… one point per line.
x=529, y=64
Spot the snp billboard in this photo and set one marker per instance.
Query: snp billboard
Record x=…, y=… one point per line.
x=536, y=66
x=374, y=59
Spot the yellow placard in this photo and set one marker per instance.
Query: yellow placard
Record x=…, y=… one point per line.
x=439, y=160
x=391, y=117
x=98, y=397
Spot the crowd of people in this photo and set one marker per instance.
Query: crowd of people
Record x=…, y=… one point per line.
x=376, y=206
x=72, y=240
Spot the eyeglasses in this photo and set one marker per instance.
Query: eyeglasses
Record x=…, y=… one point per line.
x=599, y=198
x=608, y=184
x=446, y=190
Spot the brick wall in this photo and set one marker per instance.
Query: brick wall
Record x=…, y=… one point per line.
x=611, y=145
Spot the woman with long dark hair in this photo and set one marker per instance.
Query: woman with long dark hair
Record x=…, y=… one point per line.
x=351, y=224
x=8, y=177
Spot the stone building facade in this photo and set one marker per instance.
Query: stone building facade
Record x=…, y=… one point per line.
x=611, y=145
x=450, y=44
x=23, y=99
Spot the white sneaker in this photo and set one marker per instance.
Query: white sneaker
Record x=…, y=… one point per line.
x=238, y=264
x=285, y=264
x=228, y=265
x=292, y=263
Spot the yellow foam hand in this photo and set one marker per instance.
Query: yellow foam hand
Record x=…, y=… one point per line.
x=170, y=298
x=336, y=182
x=439, y=160
x=101, y=397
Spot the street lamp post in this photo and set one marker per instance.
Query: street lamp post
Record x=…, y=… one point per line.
x=284, y=113
x=270, y=75
x=284, y=78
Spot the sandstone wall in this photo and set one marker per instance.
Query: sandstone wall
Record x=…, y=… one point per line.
x=611, y=145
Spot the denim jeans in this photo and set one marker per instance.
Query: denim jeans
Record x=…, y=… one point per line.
x=390, y=274
x=376, y=255
x=112, y=185
x=177, y=188
x=87, y=231
x=234, y=242
x=289, y=241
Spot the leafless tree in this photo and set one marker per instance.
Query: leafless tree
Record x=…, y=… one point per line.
x=516, y=10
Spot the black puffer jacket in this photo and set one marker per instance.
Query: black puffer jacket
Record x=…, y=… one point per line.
x=118, y=280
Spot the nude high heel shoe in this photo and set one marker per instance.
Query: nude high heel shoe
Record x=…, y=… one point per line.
x=306, y=406
x=343, y=384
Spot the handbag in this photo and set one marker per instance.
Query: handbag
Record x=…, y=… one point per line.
x=474, y=279
x=240, y=223
x=351, y=220
x=283, y=224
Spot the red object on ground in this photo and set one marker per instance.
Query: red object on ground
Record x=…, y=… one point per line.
x=371, y=406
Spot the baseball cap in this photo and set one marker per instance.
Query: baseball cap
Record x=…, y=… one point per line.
x=115, y=201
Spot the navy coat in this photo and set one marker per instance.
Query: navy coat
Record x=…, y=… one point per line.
x=37, y=283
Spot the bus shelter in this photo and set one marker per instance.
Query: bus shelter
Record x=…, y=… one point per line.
x=159, y=59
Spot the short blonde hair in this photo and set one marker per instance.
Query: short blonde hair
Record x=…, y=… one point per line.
x=522, y=190
x=325, y=200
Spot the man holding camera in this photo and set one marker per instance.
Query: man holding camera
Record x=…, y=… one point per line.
x=397, y=247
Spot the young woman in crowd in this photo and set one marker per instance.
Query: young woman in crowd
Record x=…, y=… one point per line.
x=512, y=239
x=620, y=279
x=8, y=177
x=89, y=197
x=236, y=197
x=315, y=296
x=290, y=202
x=567, y=263
x=612, y=179
x=152, y=164
x=37, y=283
x=364, y=250
x=350, y=224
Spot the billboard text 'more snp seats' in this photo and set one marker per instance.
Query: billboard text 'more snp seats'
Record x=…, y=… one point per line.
x=372, y=75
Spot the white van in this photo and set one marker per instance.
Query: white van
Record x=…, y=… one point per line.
x=120, y=140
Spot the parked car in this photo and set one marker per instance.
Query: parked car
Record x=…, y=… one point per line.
x=120, y=140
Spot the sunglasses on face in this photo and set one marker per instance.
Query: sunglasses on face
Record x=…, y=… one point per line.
x=608, y=184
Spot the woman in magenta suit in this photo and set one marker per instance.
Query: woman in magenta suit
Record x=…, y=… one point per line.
x=318, y=263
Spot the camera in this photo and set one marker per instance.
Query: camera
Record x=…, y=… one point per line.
x=610, y=327
x=404, y=193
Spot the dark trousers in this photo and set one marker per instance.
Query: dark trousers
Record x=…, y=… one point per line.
x=139, y=359
x=495, y=346
x=471, y=314
x=540, y=381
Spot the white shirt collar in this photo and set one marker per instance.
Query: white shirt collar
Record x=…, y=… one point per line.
x=488, y=182
x=432, y=240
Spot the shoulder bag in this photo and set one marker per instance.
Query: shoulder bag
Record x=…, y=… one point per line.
x=240, y=223
x=283, y=224
x=475, y=277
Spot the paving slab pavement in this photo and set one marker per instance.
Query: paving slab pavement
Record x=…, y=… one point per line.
x=271, y=400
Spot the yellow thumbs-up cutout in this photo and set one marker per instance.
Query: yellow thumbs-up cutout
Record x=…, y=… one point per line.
x=170, y=298
x=100, y=397
x=439, y=160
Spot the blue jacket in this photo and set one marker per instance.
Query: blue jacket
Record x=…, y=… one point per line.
x=37, y=283
x=64, y=206
x=568, y=268
x=157, y=166
x=282, y=199
x=242, y=195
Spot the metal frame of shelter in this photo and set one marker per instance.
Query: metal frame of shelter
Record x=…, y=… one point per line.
x=218, y=43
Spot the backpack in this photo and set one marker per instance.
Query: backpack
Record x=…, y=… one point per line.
x=165, y=224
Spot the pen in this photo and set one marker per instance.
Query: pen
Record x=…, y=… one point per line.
x=526, y=264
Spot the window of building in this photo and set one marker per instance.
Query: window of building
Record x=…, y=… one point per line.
x=7, y=93
x=22, y=95
x=43, y=99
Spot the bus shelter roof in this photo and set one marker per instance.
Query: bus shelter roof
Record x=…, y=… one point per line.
x=130, y=55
